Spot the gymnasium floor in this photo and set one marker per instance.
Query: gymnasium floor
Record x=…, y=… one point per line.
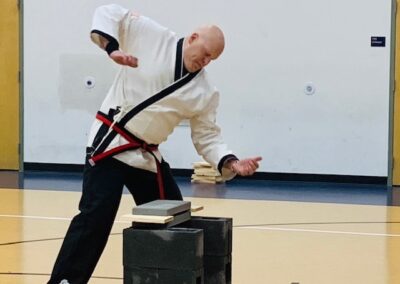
x=284, y=232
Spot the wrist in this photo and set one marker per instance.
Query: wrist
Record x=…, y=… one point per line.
x=111, y=47
x=232, y=165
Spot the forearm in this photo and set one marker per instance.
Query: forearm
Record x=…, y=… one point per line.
x=111, y=46
x=106, y=24
x=229, y=164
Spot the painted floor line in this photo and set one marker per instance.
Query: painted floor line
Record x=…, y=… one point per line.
x=48, y=218
x=320, y=231
x=36, y=217
x=238, y=227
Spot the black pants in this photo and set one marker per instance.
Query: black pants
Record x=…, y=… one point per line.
x=101, y=195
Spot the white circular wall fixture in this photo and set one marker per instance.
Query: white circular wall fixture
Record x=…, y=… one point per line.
x=309, y=88
x=90, y=82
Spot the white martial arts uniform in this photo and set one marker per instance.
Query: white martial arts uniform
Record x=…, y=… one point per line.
x=156, y=48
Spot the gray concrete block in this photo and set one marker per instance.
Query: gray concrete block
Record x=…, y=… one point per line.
x=172, y=248
x=217, y=233
x=138, y=275
x=217, y=269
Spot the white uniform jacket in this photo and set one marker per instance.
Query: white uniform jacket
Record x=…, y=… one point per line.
x=160, y=64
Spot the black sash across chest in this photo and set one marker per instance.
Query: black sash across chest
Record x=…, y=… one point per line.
x=110, y=128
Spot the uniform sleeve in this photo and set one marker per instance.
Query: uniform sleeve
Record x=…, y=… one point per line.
x=207, y=139
x=107, y=23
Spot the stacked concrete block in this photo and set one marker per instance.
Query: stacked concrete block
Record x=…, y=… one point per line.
x=163, y=256
x=217, y=261
x=193, y=250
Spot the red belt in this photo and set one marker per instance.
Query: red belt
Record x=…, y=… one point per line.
x=133, y=143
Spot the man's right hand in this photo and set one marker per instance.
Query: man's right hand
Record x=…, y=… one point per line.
x=122, y=58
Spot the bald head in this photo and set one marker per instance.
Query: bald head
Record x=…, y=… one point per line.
x=214, y=36
x=206, y=43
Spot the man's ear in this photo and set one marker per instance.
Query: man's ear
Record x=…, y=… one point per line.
x=193, y=37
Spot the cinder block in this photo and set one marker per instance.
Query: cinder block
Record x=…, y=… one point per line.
x=218, y=269
x=217, y=234
x=137, y=275
x=172, y=248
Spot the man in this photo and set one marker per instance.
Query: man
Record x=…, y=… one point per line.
x=161, y=82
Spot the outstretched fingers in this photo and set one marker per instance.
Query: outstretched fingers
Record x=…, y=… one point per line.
x=123, y=58
x=247, y=166
x=131, y=61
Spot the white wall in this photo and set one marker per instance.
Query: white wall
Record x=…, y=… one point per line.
x=273, y=49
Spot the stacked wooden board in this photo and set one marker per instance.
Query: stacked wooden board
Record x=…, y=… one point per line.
x=205, y=173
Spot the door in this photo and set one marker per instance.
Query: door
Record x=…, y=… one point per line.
x=396, y=116
x=9, y=85
x=396, y=119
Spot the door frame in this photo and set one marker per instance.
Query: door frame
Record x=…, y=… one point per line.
x=394, y=105
x=13, y=158
x=21, y=84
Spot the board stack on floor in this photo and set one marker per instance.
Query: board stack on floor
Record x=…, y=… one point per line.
x=166, y=245
x=203, y=172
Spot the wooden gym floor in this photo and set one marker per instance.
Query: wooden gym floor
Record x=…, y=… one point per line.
x=307, y=233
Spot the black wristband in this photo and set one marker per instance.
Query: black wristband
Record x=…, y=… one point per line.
x=112, y=46
x=224, y=160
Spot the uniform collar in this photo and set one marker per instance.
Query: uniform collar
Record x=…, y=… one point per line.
x=180, y=69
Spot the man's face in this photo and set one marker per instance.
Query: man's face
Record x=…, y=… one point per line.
x=200, y=51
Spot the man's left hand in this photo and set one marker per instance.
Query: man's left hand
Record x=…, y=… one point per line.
x=245, y=167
